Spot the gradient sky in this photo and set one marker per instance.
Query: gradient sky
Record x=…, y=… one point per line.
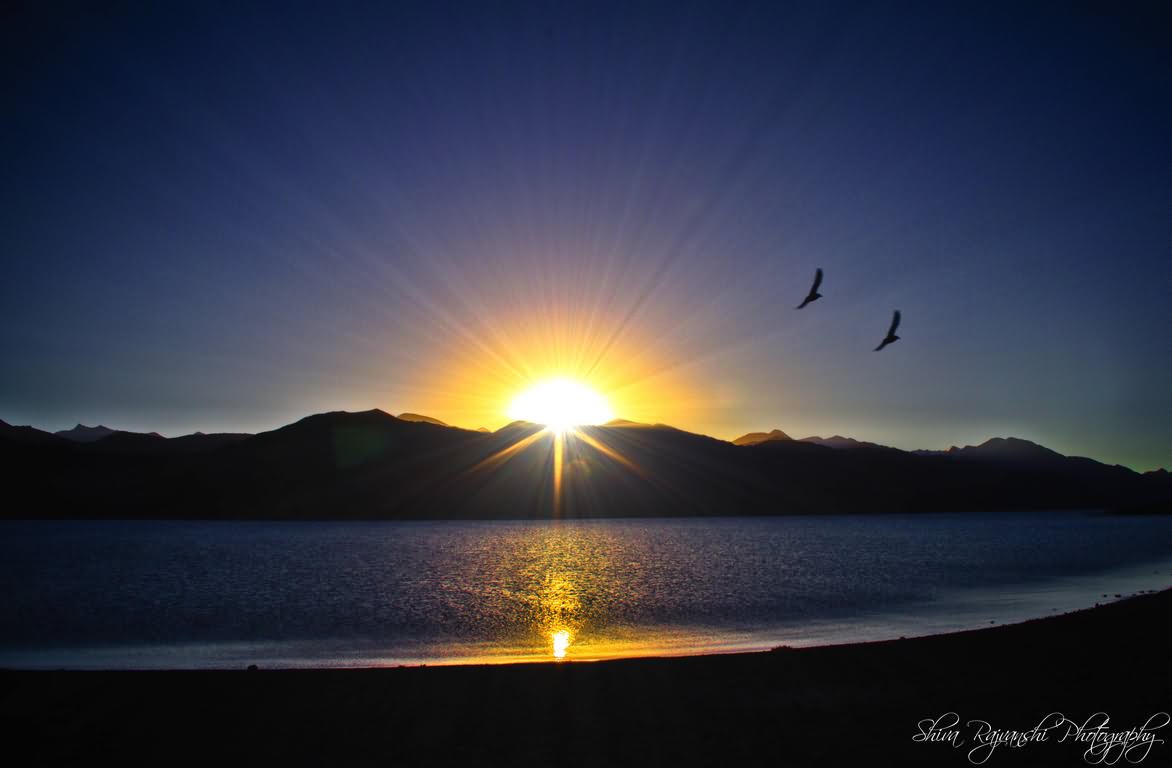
x=225, y=220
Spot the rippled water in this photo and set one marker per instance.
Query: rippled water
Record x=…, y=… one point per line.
x=198, y=594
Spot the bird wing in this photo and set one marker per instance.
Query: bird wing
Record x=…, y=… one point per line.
x=894, y=323
x=817, y=280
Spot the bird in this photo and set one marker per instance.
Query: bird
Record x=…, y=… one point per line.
x=813, y=294
x=891, y=337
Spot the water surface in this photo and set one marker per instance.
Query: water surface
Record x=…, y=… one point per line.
x=205, y=594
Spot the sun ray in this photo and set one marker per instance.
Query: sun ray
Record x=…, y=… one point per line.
x=506, y=453
x=610, y=453
x=559, y=447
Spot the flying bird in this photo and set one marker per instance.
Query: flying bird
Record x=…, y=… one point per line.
x=891, y=337
x=813, y=294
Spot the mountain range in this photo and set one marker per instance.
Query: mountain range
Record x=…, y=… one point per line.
x=371, y=465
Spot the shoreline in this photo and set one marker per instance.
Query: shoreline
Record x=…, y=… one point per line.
x=811, y=705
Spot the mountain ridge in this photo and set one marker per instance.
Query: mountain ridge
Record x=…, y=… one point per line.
x=83, y=434
x=408, y=416
x=372, y=465
x=756, y=438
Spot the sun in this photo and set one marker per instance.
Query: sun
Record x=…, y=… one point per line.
x=561, y=404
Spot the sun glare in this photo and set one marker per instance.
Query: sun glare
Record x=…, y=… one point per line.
x=561, y=641
x=561, y=404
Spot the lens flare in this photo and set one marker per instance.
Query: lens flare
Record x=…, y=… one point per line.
x=561, y=404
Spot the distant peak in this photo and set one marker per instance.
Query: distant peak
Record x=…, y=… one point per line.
x=1005, y=448
x=83, y=434
x=418, y=417
x=1012, y=444
x=754, y=438
x=835, y=441
x=518, y=424
x=1009, y=442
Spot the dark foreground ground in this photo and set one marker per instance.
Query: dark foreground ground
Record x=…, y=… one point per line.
x=845, y=705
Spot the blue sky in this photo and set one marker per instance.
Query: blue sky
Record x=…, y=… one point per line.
x=220, y=219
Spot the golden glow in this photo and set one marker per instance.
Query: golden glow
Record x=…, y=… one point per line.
x=561, y=641
x=471, y=372
x=561, y=404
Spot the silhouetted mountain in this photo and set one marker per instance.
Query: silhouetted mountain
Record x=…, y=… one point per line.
x=83, y=434
x=26, y=434
x=753, y=438
x=1006, y=449
x=198, y=441
x=154, y=443
x=421, y=418
x=129, y=442
x=518, y=425
x=840, y=443
x=1161, y=479
x=371, y=465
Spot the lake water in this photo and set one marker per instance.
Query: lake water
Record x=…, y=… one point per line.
x=204, y=594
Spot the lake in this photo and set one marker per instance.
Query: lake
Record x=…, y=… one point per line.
x=147, y=594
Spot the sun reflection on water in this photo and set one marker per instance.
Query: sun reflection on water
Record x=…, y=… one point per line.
x=558, y=610
x=553, y=592
x=561, y=641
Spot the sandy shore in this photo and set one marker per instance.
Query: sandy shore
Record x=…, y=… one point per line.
x=857, y=704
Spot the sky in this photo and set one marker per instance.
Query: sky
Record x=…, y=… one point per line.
x=225, y=219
